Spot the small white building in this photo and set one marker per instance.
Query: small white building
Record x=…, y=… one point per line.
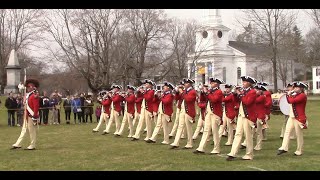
x=216, y=56
x=316, y=79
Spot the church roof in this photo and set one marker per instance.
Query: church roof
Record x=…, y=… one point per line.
x=251, y=48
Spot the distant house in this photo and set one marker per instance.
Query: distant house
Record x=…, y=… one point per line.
x=316, y=79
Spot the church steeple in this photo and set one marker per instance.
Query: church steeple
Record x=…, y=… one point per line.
x=212, y=17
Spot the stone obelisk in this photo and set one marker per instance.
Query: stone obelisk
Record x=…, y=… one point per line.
x=13, y=73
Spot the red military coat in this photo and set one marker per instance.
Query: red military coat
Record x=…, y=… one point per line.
x=156, y=101
x=236, y=103
x=229, y=103
x=130, y=99
x=299, y=102
x=33, y=103
x=260, y=107
x=179, y=98
x=268, y=102
x=189, y=98
x=203, y=104
x=248, y=102
x=138, y=101
x=106, y=103
x=148, y=97
x=215, y=99
x=117, y=99
x=167, y=103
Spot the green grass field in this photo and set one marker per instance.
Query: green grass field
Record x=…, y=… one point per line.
x=75, y=148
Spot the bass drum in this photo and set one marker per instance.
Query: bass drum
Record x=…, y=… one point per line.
x=284, y=105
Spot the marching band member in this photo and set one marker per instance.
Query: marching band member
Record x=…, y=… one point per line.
x=229, y=114
x=261, y=114
x=297, y=118
x=146, y=111
x=105, y=100
x=156, y=102
x=31, y=115
x=213, y=118
x=164, y=114
x=115, y=109
x=246, y=119
x=202, y=104
x=268, y=106
x=178, y=101
x=138, y=101
x=128, y=111
x=187, y=114
x=289, y=88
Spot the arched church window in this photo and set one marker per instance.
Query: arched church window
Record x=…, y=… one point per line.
x=204, y=34
x=238, y=72
x=219, y=34
x=224, y=74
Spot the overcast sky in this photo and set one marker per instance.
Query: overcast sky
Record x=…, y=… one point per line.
x=229, y=17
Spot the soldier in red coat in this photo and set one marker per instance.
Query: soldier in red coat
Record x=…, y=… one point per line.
x=261, y=114
x=202, y=104
x=229, y=114
x=165, y=111
x=268, y=105
x=139, y=98
x=178, y=96
x=246, y=120
x=115, y=109
x=187, y=114
x=129, y=111
x=156, y=102
x=297, y=118
x=213, y=118
x=105, y=100
x=31, y=114
x=146, y=110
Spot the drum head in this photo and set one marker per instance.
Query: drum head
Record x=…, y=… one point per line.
x=284, y=105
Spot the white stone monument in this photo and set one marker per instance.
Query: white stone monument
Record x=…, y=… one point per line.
x=13, y=73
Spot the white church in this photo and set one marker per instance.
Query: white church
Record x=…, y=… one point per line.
x=216, y=56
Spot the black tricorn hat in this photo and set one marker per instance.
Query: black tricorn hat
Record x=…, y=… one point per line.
x=131, y=87
x=187, y=80
x=228, y=86
x=217, y=80
x=149, y=81
x=249, y=79
x=170, y=85
x=290, y=84
x=260, y=87
x=32, y=81
x=300, y=84
x=116, y=86
x=263, y=83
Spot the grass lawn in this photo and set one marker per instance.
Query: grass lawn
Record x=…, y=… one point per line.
x=75, y=148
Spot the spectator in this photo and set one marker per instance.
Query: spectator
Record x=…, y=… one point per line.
x=67, y=108
x=88, y=108
x=11, y=105
x=82, y=99
x=45, y=106
x=76, y=108
x=54, y=103
x=98, y=112
x=20, y=110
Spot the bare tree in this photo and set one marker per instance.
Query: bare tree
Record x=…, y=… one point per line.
x=18, y=30
x=86, y=40
x=273, y=23
x=146, y=25
x=182, y=38
x=315, y=16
